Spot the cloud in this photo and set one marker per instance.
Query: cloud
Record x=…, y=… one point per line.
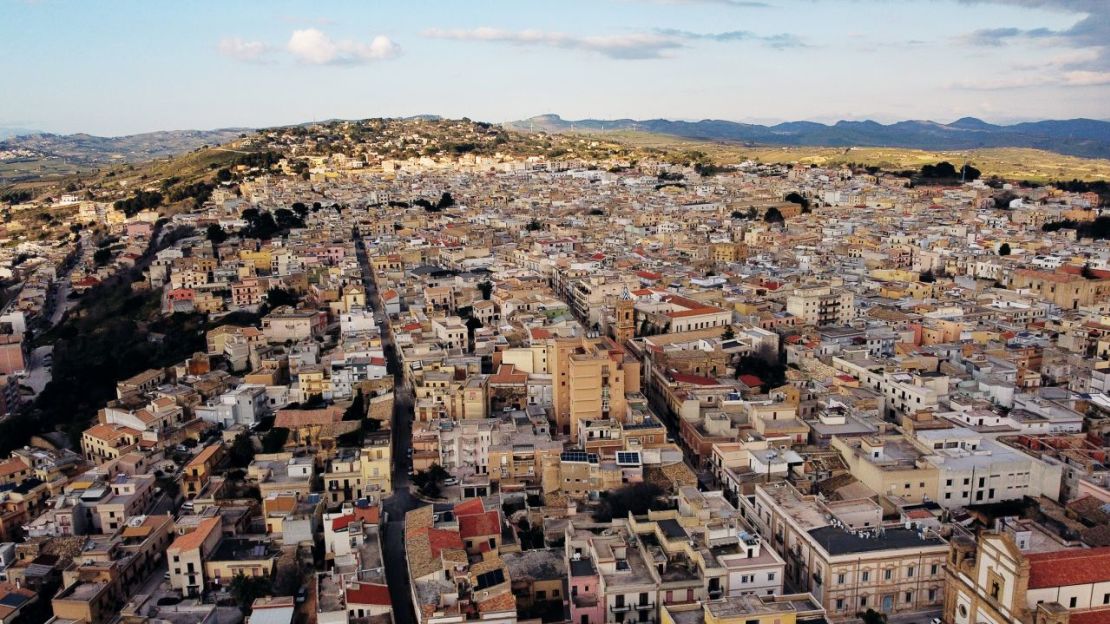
x=1091, y=31
x=630, y=46
x=778, y=41
x=317, y=48
x=1079, y=78
x=743, y=4
x=245, y=51
x=1002, y=36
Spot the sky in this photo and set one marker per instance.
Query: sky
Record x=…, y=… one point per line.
x=117, y=67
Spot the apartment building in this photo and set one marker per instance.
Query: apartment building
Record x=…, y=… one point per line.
x=822, y=305
x=845, y=556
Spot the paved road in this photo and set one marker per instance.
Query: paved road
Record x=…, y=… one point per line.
x=402, y=500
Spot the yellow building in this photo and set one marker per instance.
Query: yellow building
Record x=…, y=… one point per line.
x=590, y=381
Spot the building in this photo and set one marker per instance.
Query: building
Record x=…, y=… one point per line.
x=992, y=581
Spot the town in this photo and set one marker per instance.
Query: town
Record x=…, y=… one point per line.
x=440, y=372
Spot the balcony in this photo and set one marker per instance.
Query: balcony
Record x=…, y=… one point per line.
x=621, y=608
x=645, y=606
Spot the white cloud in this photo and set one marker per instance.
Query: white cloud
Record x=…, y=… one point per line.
x=246, y=51
x=1085, y=78
x=630, y=46
x=313, y=46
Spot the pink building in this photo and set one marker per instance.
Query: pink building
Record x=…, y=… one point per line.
x=585, y=607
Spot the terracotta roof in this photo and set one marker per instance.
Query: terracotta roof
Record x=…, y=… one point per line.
x=340, y=523
x=1069, y=567
x=1094, y=616
x=480, y=525
x=751, y=381
x=12, y=466
x=204, y=456
x=294, y=418
x=196, y=537
x=469, y=507
x=369, y=594
x=501, y=602
x=697, y=380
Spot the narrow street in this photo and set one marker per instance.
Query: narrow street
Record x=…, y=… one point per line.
x=395, y=506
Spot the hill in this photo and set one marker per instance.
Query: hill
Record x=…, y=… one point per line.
x=1004, y=162
x=1087, y=138
x=39, y=155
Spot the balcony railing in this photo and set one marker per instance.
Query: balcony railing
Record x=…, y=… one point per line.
x=624, y=608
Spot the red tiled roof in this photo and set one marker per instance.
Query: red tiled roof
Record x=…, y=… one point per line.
x=480, y=525
x=1095, y=616
x=340, y=523
x=750, y=381
x=1069, y=567
x=368, y=594
x=443, y=539
x=469, y=507
x=648, y=275
x=540, y=334
x=697, y=380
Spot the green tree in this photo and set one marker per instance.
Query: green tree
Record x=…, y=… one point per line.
x=102, y=256
x=278, y=296
x=636, y=498
x=486, y=288
x=927, y=276
x=728, y=334
x=872, y=616
x=242, y=450
x=1004, y=249
x=773, y=215
x=245, y=589
x=274, y=440
x=223, y=175
x=216, y=234
x=534, y=225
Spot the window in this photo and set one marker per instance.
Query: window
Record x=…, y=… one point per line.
x=840, y=579
x=909, y=572
x=909, y=596
x=887, y=574
x=863, y=601
x=933, y=569
x=866, y=576
x=1072, y=602
x=770, y=576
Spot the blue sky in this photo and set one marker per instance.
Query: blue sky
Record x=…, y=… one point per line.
x=116, y=67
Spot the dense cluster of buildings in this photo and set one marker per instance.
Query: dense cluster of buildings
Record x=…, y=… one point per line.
x=868, y=397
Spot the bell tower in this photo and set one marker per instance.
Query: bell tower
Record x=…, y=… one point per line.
x=626, y=319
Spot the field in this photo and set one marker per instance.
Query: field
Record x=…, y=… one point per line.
x=1008, y=163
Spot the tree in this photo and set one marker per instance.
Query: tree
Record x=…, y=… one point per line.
x=1004, y=249
x=534, y=225
x=300, y=209
x=242, y=450
x=969, y=173
x=428, y=480
x=245, y=589
x=728, y=334
x=445, y=201
x=223, y=175
x=102, y=256
x=773, y=215
x=357, y=409
x=274, y=440
x=796, y=198
x=278, y=297
x=1087, y=273
x=927, y=277
x=486, y=288
x=216, y=234
x=635, y=498
x=872, y=616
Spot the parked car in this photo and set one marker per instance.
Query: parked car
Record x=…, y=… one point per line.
x=450, y=481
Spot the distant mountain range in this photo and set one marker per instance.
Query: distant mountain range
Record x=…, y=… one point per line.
x=86, y=149
x=1077, y=137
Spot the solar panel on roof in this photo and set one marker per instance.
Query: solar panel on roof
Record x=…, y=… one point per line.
x=13, y=600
